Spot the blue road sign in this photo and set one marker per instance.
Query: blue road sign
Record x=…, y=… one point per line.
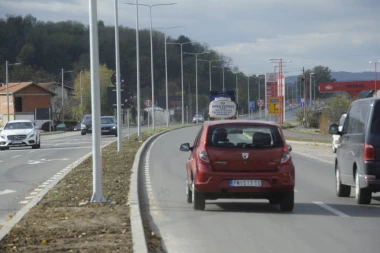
x=302, y=104
x=252, y=105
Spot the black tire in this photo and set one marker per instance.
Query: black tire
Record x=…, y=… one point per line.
x=334, y=150
x=341, y=189
x=274, y=201
x=287, y=202
x=82, y=133
x=363, y=196
x=199, y=202
x=189, y=194
x=34, y=146
x=1, y=149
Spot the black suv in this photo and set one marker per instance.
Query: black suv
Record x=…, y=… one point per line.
x=357, y=162
x=86, y=125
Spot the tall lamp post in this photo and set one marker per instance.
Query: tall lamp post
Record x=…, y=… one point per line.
x=151, y=53
x=310, y=87
x=209, y=67
x=196, y=78
x=6, y=83
x=183, y=104
x=223, y=67
x=375, y=63
x=166, y=71
x=63, y=84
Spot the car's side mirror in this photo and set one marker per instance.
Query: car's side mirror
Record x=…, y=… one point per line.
x=289, y=147
x=334, y=129
x=185, y=147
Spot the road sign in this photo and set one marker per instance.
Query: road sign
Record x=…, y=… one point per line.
x=260, y=102
x=302, y=104
x=148, y=102
x=252, y=105
x=113, y=79
x=274, y=105
x=302, y=100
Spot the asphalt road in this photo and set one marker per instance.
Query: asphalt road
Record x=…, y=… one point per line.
x=321, y=222
x=22, y=170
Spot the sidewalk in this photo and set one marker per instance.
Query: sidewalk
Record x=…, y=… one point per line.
x=307, y=137
x=321, y=152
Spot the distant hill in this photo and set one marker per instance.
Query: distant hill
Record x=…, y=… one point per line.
x=344, y=76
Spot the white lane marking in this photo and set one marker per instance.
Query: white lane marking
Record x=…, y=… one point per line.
x=29, y=197
x=295, y=190
x=24, y=202
x=33, y=193
x=6, y=192
x=1, y=161
x=331, y=209
x=16, y=156
x=32, y=151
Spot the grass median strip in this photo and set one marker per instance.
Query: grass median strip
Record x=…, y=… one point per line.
x=58, y=224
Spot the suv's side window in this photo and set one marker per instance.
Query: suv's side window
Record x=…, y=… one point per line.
x=375, y=124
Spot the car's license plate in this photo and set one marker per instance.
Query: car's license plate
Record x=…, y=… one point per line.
x=105, y=131
x=16, y=142
x=245, y=183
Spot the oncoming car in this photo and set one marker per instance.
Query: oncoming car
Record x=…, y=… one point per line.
x=19, y=133
x=198, y=118
x=240, y=159
x=108, y=125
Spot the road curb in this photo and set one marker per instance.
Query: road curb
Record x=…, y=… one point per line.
x=308, y=143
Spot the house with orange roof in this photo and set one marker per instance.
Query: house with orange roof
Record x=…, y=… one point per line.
x=24, y=98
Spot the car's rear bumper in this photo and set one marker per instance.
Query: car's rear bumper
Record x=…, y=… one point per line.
x=216, y=184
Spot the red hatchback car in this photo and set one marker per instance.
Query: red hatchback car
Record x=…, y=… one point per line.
x=240, y=159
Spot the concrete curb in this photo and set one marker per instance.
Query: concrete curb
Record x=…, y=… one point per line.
x=308, y=143
x=137, y=227
x=23, y=211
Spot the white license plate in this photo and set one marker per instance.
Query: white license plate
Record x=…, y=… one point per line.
x=105, y=131
x=245, y=183
x=16, y=142
x=90, y=129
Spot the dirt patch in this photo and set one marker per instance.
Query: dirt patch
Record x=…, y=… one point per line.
x=59, y=224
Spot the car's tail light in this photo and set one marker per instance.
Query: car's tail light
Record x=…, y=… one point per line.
x=369, y=152
x=204, y=156
x=286, y=157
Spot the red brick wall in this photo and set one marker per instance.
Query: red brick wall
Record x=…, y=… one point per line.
x=31, y=102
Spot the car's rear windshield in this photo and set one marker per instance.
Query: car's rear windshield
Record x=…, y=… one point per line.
x=18, y=125
x=375, y=125
x=244, y=136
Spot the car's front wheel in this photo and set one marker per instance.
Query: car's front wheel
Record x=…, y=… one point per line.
x=287, y=202
x=363, y=196
x=83, y=133
x=341, y=189
x=199, y=202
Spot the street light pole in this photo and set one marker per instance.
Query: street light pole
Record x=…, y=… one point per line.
x=151, y=54
x=7, y=64
x=310, y=87
x=223, y=72
x=209, y=67
x=138, y=72
x=118, y=83
x=80, y=87
x=183, y=104
x=375, y=93
x=166, y=73
x=196, y=79
x=249, y=109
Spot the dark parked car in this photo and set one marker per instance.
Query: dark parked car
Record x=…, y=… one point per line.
x=240, y=159
x=86, y=125
x=357, y=162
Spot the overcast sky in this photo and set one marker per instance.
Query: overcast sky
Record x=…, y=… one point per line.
x=341, y=34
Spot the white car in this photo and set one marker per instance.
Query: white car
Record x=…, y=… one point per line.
x=336, y=138
x=18, y=133
x=199, y=118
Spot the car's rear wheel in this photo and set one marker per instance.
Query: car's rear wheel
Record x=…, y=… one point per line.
x=287, y=202
x=341, y=189
x=189, y=194
x=83, y=133
x=199, y=202
x=363, y=196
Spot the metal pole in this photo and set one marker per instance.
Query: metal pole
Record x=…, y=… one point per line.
x=249, y=109
x=196, y=84
x=237, y=92
x=80, y=87
x=151, y=66
x=63, y=111
x=166, y=78
x=7, y=84
x=258, y=78
x=95, y=105
x=129, y=132
x=265, y=97
x=183, y=104
x=375, y=79
x=118, y=83
x=310, y=96
x=223, y=78
x=138, y=71
x=209, y=70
